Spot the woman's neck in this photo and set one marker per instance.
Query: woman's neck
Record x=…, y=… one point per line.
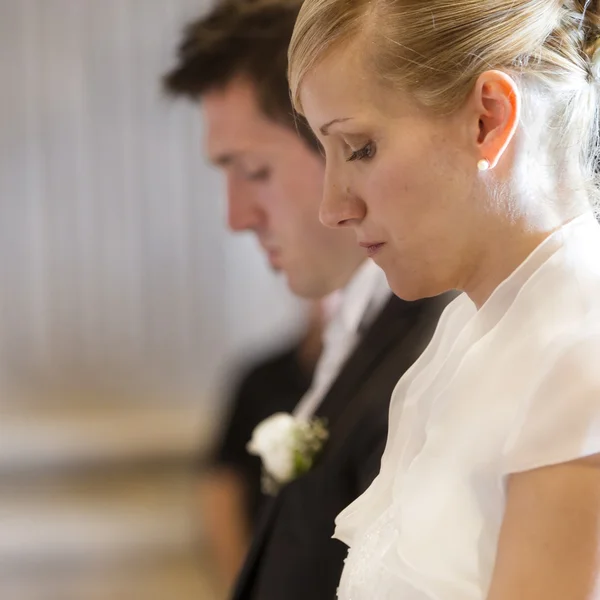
x=503, y=249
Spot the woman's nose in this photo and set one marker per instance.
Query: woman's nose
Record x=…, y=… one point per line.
x=340, y=207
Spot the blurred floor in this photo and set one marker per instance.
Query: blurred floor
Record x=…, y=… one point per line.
x=180, y=578
x=100, y=505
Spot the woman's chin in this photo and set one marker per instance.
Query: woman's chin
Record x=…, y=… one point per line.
x=411, y=290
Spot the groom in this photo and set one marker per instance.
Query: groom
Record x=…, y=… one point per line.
x=233, y=60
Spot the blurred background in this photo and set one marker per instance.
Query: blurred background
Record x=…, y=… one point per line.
x=125, y=306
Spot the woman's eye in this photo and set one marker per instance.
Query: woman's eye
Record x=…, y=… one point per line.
x=259, y=175
x=365, y=153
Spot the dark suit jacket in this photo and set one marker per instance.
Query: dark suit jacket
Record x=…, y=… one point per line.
x=273, y=384
x=292, y=556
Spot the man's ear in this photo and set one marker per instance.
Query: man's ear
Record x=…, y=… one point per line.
x=496, y=102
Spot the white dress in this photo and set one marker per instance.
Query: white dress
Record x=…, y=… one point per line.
x=511, y=387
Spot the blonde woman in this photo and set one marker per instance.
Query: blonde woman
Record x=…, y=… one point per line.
x=460, y=138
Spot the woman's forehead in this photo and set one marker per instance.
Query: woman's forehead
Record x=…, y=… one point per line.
x=338, y=82
x=342, y=88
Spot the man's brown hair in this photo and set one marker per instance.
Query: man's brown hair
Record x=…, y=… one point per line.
x=241, y=38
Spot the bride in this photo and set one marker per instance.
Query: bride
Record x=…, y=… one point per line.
x=460, y=138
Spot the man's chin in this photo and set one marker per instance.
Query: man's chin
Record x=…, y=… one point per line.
x=308, y=290
x=300, y=282
x=275, y=268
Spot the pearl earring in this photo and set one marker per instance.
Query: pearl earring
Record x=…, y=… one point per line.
x=483, y=164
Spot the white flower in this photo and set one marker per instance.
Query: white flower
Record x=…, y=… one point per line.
x=273, y=440
x=287, y=447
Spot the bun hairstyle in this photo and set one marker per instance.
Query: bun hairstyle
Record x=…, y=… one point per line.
x=436, y=50
x=590, y=28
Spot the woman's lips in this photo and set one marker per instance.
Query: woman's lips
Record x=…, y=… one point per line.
x=372, y=248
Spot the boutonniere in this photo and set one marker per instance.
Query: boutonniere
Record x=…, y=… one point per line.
x=287, y=447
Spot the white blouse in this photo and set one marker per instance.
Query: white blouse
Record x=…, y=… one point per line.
x=511, y=387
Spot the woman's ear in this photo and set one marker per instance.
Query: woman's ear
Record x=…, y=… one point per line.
x=496, y=101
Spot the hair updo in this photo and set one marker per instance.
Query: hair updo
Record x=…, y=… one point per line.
x=436, y=49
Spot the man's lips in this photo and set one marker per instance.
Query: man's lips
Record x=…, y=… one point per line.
x=274, y=256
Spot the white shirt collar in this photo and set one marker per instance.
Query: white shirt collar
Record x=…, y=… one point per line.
x=346, y=310
x=363, y=296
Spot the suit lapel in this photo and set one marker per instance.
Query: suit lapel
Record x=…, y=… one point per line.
x=245, y=579
x=391, y=324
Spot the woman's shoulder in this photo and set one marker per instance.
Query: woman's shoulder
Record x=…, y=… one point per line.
x=559, y=420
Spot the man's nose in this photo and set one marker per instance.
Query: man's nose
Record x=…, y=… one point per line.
x=243, y=212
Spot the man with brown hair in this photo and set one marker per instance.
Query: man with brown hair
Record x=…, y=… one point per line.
x=234, y=61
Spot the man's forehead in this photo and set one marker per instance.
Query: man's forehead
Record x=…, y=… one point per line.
x=232, y=108
x=226, y=139
x=236, y=128
x=225, y=147
x=237, y=139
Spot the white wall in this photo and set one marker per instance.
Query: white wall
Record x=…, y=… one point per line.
x=113, y=254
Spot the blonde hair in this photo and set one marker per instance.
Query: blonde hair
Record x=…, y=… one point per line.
x=436, y=49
